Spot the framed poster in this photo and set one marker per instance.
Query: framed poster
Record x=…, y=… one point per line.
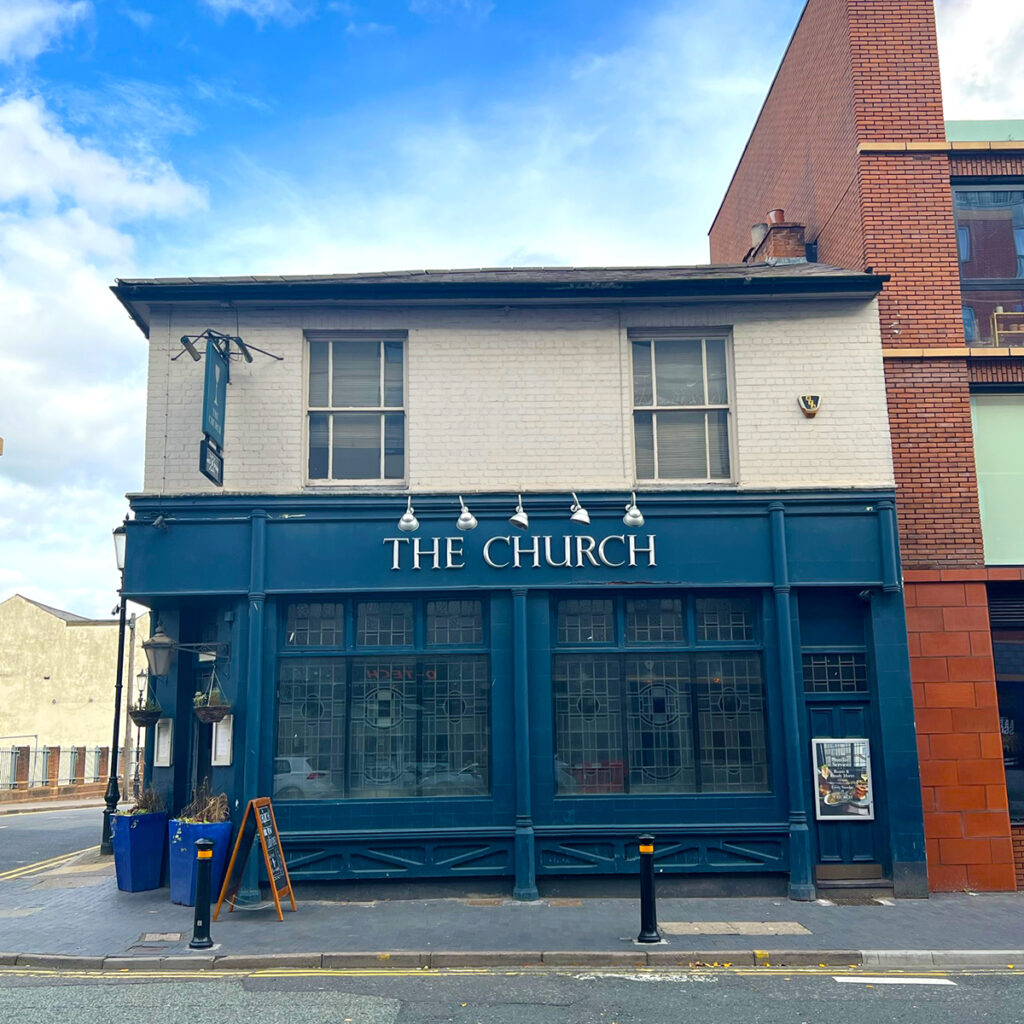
x=221, y=751
x=842, y=779
x=163, y=747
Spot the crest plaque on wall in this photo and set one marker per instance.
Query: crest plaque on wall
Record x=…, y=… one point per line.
x=809, y=404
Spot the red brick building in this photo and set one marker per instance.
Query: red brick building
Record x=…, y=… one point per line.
x=851, y=143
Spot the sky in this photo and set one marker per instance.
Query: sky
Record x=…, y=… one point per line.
x=202, y=137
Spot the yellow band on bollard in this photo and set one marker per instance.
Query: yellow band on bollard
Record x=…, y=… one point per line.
x=208, y=854
x=647, y=849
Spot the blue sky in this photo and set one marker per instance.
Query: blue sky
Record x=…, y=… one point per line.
x=294, y=136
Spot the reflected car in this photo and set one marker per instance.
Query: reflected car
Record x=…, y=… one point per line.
x=296, y=779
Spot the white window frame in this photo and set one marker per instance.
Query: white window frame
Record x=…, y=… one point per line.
x=635, y=335
x=380, y=337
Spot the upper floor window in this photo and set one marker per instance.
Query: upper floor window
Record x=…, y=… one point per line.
x=356, y=407
x=680, y=408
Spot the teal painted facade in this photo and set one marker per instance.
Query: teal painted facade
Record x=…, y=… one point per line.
x=818, y=572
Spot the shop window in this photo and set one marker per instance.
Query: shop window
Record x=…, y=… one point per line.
x=356, y=407
x=675, y=720
x=373, y=724
x=315, y=624
x=680, y=408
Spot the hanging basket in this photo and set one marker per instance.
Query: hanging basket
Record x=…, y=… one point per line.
x=144, y=718
x=209, y=713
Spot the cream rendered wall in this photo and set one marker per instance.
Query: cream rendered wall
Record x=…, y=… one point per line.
x=533, y=399
x=57, y=678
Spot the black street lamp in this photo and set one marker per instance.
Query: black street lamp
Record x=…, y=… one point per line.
x=113, y=793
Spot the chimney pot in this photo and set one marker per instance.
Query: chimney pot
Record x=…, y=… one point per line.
x=776, y=216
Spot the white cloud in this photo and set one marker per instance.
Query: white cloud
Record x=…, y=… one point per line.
x=72, y=366
x=981, y=54
x=289, y=12
x=473, y=11
x=140, y=19
x=28, y=27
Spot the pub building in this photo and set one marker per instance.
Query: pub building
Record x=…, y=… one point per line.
x=498, y=569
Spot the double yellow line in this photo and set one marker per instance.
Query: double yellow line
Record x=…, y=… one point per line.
x=42, y=865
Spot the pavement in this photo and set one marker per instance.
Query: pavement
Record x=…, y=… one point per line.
x=34, y=806
x=70, y=915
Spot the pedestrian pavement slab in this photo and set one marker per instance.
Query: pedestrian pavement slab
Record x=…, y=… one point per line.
x=77, y=911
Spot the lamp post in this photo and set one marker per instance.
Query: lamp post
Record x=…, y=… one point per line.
x=113, y=793
x=143, y=681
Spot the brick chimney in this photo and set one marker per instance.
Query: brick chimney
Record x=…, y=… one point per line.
x=777, y=241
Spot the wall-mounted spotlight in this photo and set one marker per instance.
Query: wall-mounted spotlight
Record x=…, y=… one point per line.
x=160, y=523
x=408, y=523
x=244, y=349
x=190, y=348
x=633, y=516
x=519, y=518
x=466, y=520
x=579, y=513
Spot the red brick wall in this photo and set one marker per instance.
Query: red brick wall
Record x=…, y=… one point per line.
x=802, y=154
x=967, y=825
x=933, y=457
x=996, y=371
x=895, y=58
x=963, y=164
x=1018, y=853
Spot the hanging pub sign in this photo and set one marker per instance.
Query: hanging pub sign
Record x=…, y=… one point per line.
x=211, y=463
x=842, y=779
x=258, y=822
x=215, y=393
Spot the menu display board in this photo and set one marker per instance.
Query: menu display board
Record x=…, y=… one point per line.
x=842, y=779
x=258, y=822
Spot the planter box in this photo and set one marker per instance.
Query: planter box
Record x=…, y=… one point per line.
x=182, y=836
x=138, y=841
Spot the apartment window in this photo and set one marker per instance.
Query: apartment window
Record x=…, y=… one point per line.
x=383, y=699
x=356, y=407
x=680, y=408
x=658, y=695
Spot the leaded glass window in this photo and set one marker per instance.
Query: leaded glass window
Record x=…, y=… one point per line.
x=674, y=720
x=364, y=724
x=835, y=673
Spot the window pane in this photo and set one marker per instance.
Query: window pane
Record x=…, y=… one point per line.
x=588, y=725
x=356, y=449
x=384, y=623
x=394, y=446
x=681, y=445
x=318, y=373
x=718, y=385
x=454, y=622
x=660, y=722
x=724, y=619
x=315, y=623
x=585, y=622
x=730, y=713
x=654, y=620
x=835, y=673
x=680, y=376
x=718, y=444
x=319, y=442
x=356, y=374
x=643, y=431
x=393, y=373
x=643, y=381
x=384, y=718
x=456, y=727
x=310, y=751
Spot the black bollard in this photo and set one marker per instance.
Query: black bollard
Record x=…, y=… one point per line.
x=648, y=913
x=201, y=925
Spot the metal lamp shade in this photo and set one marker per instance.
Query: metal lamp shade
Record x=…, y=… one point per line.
x=579, y=513
x=633, y=516
x=466, y=520
x=159, y=648
x=519, y=518
x=408, y=523
x=119, y=544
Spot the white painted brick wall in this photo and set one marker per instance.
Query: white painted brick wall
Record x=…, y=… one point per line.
x=532, y=399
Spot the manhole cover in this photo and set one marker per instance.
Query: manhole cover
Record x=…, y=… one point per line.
x=855, y=901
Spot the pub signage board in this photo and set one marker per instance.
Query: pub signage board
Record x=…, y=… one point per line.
x=842, y=779
x=215, y=393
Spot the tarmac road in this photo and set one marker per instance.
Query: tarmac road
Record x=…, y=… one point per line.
x=495, y=997
x=41, y=835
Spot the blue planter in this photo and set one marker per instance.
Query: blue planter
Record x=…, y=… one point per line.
x=182, y=836
x=138, y=841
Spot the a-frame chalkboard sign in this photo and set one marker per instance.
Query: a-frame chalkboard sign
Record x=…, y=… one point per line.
x=258, y=820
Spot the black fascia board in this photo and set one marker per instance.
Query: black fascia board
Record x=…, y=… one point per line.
x=569, y=292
